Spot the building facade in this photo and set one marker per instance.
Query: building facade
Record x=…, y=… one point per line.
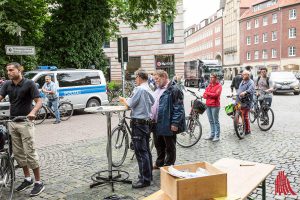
x=160, y=47
x=269, y=35
x=204, y=41
x=231, y=35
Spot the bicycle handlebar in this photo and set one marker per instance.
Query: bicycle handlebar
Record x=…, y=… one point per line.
x=14, y=119
x=194, y=94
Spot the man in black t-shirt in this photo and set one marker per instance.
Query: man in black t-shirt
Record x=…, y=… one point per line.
x=22, y=92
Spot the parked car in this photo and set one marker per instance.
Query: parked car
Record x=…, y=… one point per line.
x=285, y=82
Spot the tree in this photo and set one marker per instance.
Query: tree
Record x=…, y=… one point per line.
x=17, y=15
x=78, y=28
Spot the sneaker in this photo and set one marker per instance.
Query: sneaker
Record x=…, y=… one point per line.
x=216, y=139
x=56, y=122
x=26, y=184
x=37, y=189
x=209, y=138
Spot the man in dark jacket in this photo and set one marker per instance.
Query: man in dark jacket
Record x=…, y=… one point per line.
x=169, y=118
x=236, y=81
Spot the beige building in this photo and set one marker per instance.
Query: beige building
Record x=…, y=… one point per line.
x=161, y=47
x=231, y=34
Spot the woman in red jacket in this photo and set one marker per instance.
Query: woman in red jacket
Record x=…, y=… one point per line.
x=212, y=95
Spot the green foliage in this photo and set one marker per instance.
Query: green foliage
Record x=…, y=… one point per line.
x=113, y=86
x=30, y=16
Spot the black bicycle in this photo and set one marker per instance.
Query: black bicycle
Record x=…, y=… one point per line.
x=65, y=110
x=192, y=135
x=7, y=169
x=120, y=141
x=262, y=113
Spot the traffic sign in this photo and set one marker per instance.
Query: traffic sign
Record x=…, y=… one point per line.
x=20, y=50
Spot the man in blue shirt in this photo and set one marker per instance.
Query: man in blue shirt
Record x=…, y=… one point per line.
x=50, y=90
x=140, y=104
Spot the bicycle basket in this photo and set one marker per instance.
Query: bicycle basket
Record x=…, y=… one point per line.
x=229, y=109
x=199, y=106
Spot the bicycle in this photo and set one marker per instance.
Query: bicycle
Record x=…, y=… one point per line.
x=120, y=141
x=238, y=118
x=7, y=169
x=65, y=111
x=263, y=113
x=192, y=135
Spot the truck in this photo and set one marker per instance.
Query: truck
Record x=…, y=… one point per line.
x=197, y=72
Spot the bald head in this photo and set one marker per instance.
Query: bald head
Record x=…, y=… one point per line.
x=246, y=75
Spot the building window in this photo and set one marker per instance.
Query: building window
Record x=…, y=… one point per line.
x=292, y=33
x=264, y=54
x=256, y=39
x=292, y=51
x=265, y=21
x=217, y=41
x=265, y=37
x=292, y=14
x=167, y=33
x=248, y=40
x=274, y=35
x=256, y=23
x=248, y=25
x=274, y=18
x=256, y=55
x=217, y=29
x=248, y=56
x=274, y=53
x=106, y=44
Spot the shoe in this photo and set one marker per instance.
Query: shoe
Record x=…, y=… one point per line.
x=37, y=189
x=216, y=139
x=26, y=184
x=56, y=122
x=209, y=138
x=140, y=184
x=155, y=167
x=247, y=132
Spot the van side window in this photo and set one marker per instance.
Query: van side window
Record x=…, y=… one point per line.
x=70, y=79
x=41, y=80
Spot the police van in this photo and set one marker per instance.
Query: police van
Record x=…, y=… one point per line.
x=81, y=87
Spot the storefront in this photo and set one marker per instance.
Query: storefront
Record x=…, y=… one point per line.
x=165, y=62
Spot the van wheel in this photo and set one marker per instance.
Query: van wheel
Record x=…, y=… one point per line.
x=296, y=93
x=93, y=103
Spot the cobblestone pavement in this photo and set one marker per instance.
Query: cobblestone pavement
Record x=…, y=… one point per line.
x=72, y=151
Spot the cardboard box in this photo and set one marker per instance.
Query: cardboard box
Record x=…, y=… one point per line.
x=201, y=188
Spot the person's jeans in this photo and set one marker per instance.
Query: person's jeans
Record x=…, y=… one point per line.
x=213, y=117
x=140, y=140
x=53, y=104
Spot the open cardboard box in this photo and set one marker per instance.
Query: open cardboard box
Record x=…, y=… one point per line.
x=201, y=188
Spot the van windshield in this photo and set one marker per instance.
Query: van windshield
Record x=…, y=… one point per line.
x=29, y=75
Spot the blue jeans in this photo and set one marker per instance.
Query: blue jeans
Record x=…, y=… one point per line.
x=53, y=104
x=213, y=117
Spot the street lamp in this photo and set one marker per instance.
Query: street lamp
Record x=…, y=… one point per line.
x=19, y=33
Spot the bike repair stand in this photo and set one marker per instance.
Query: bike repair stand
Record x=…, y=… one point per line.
x=109, y=176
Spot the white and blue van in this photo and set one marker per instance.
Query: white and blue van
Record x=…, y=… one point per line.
x=81, y=87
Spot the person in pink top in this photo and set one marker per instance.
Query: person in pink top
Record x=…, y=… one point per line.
x=212, y=95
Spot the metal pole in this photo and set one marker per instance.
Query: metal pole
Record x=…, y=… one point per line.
x=20, y=43
x=123, y=71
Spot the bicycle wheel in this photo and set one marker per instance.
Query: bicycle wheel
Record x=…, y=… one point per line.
x=41, y=115
x=7, y=177
x=265, y=119
x=252, y=115
x=192, y=135
x=239, y=125
x=65, y=110
x=120, y=144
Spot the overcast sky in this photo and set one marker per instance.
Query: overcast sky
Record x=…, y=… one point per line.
x=197, y=10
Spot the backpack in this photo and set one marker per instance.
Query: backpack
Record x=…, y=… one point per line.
x=268, y=78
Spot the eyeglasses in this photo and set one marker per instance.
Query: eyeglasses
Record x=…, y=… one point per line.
x=213, y=77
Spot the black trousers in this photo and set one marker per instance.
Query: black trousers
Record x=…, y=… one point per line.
x=165, y=147
x=140, y=140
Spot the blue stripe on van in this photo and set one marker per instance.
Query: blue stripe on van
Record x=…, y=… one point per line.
x=81, y=90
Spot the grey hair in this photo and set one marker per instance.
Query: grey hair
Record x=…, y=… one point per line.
x=142, y=74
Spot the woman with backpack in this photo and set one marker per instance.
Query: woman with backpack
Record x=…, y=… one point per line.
x=212, y=95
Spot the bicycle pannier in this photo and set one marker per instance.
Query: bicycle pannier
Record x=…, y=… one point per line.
x=229, y=109
x=199, y=106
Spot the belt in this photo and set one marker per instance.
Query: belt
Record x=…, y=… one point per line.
x=141, y=121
